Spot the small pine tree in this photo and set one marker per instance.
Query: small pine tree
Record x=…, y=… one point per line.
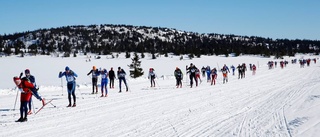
x=142, y=55
x=135, y=71
x=127, y=55
x=153, y=56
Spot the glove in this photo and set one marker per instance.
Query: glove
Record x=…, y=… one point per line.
x=20, y=89
x=60, y=73
x=21, y=74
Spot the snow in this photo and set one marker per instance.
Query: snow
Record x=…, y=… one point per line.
x=276, y=102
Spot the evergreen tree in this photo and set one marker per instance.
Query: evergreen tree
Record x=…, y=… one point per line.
x=135, y=71
x=127, y=55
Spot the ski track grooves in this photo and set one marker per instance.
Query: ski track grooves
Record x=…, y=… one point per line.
x=217, y=110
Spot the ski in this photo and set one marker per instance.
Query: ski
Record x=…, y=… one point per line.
x=43, y=106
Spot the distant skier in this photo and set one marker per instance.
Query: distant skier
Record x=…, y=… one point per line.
x=198, y=75
x=225, y=71
x=152, y=75
x=192, y=71
x=112, y=76
x=34, y=90
x=71, y=84
x=203, y=70
x=254, y=68
x=94, y=76
x=214, y=75
x=233, y=69
x=179, y=76
x=208, y=71
x=25, y=88
x=104, y=82
x=122, y=77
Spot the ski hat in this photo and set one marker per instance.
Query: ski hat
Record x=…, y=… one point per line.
x=27, y=71
x=94, y=68
x=67, y=68
x=17, y=80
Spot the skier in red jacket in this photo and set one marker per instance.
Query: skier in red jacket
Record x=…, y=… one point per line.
x=25, y=88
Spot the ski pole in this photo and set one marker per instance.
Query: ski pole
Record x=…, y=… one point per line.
x=78, y=86
x=157, y=82
x=61, y=86
x=14, y=108
x=33, y=105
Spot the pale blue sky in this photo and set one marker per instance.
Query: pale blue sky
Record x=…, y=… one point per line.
x=292, y=19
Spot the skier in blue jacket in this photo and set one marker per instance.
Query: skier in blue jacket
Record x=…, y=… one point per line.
x=104, y=82
x=71, y=84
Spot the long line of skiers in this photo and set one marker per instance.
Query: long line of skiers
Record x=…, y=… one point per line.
x=28, y=87
x=194, y=73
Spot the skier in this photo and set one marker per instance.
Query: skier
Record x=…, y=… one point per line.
x=239, y=71
x=25, y=88
x=233, y=69
x=198, y=75
x=104, y=82
x=34, y=90
x=214, y=75
x=254, y=68
x=225, y=71
x=179, y=76
x=203, y=70
x=152, y=75
x=112, y=76
x=71, y=84
x=208, y=73
x=122, y=77
x=192, y=71
x=94, y=75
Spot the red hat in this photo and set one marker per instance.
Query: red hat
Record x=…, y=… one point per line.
x=17, y=80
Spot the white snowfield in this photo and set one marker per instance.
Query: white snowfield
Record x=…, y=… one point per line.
x=272, y=103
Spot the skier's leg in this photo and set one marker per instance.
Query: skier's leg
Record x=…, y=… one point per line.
x=35, y=93
x=125, y=83
x=92, y=85
x=120, y=79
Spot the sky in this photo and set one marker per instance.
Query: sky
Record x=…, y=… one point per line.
x=272, y=103
x=291, y=19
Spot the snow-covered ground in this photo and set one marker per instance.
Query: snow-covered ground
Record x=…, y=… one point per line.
x=276, y=102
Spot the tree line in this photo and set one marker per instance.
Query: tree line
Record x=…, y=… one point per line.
x=107, y=38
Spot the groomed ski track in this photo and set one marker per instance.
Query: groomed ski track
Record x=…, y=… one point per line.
x=261, y=105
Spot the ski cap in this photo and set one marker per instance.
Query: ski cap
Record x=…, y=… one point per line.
x=67, y=68
x=17, y=80
x=27, y=71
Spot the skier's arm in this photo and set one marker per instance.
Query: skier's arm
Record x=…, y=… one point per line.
x=61, y=74
x=74, y=74
x=89, y=73
x=32, y=79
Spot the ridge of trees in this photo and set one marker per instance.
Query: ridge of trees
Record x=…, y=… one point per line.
x=106, y=38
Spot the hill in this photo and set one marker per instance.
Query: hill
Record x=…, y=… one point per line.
x=106, y=39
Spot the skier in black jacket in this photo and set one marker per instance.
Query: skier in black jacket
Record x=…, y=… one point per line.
x=112, y=76
x=192, y=71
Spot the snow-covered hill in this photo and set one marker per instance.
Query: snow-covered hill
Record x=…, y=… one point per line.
x=276, y=102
